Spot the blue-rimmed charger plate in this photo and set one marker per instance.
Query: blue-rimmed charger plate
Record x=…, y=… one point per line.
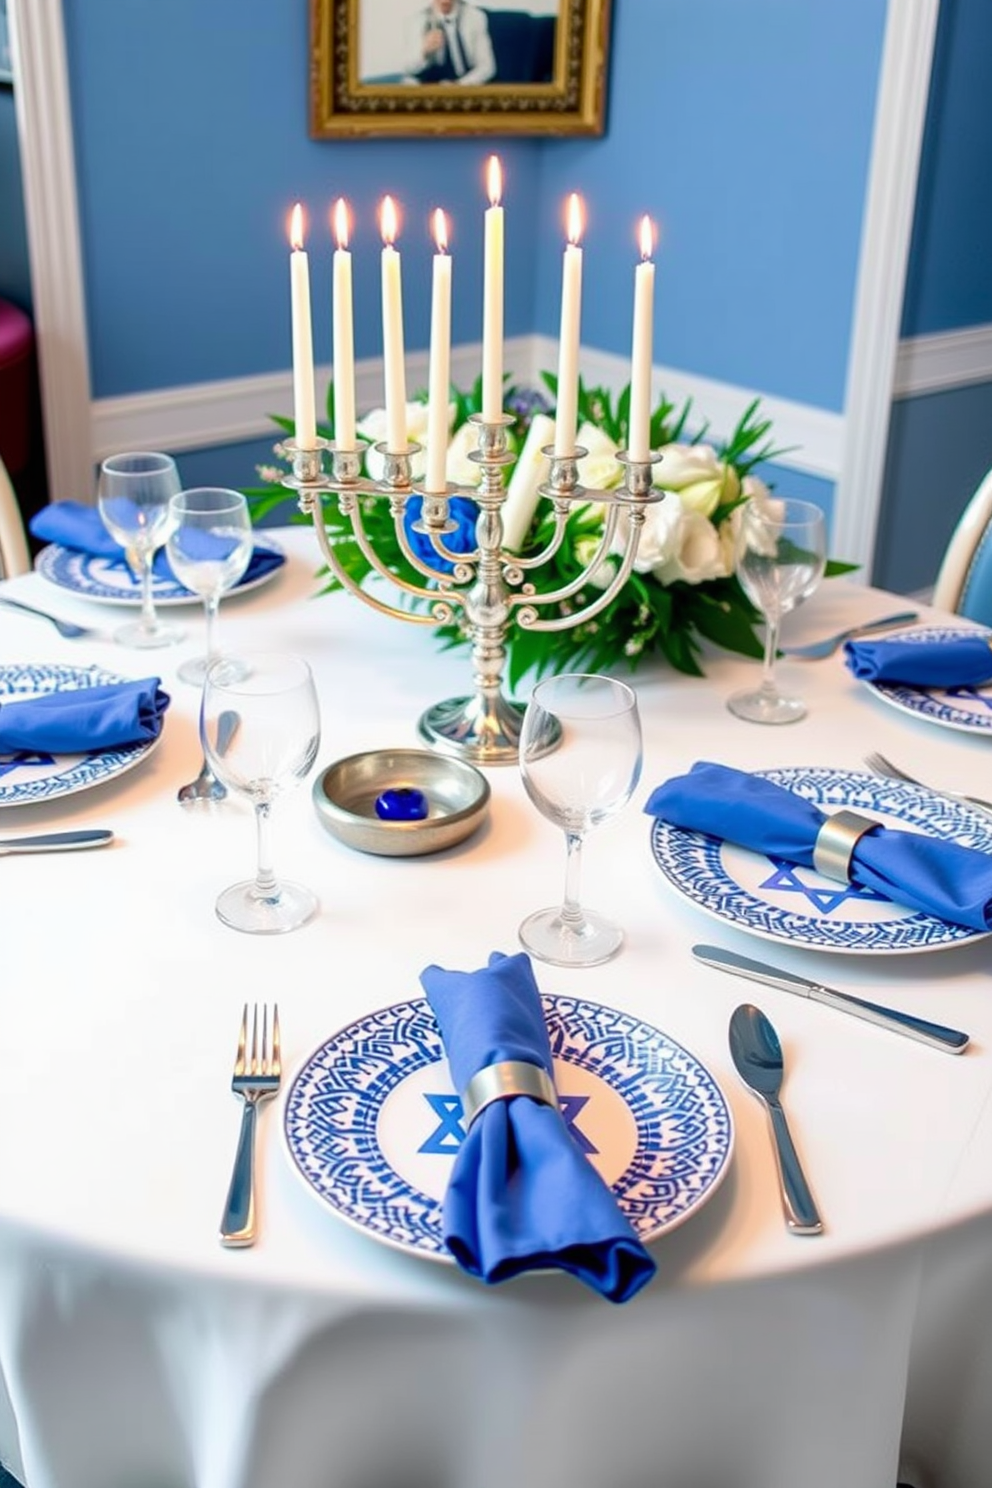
x=372, y=1121
x=966, y=708
x=111, y=581
x=780, y=901
x=28, y=776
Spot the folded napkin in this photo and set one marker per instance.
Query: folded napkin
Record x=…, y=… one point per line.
x=522, y=1194
x=960, y=661
x=85, y=718
x=943, y=878
x=73, y=525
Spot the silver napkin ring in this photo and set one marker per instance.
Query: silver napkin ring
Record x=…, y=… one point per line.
x=500, y=1081
x=836, y=841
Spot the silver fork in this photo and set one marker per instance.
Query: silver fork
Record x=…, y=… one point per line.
x=67, y=628
x=819, y=650
x=882, y=766
x=206, y=786
x=256, y=1079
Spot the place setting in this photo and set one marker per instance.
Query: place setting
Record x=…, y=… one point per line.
x=116, y=552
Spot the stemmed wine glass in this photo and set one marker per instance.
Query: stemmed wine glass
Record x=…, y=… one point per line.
x=209, y=547
x=274, y=743
x=133, y=495
x=780, y=554
x=584, y=781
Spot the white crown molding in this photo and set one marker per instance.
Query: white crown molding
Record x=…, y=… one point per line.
x=44, y=129
x=949, y=359
x=887, y=225
x=216, y=413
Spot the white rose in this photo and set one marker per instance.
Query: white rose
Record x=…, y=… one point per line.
x=660, y=535
x=585, y=551
x=699, y=556
x=599, y=469
x=458, y=468
x=770, y=506
x=373, y=428
x=701, y=480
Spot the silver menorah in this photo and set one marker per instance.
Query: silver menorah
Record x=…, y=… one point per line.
x=485, y=589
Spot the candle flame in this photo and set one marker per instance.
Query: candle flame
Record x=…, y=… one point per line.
x=440, y=231
x=296, y=227
x=647, y=237
x=341, y=225
x=574, y=218
x=389, y=220
x=495, y=181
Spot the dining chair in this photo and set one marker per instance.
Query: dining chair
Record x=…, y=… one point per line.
x=14, y=556
x=964, y=582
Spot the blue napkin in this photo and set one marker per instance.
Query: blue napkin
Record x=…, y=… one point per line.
x=943, y=878
x=522, y=1195
x=83, y=719
x=961, y=661
x=73, y=525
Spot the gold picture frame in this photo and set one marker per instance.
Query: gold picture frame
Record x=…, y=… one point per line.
x=550, y=71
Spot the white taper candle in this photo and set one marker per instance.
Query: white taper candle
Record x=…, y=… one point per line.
x=304, y=407
x=439, y=373
x=492, y=298
x=639, y=441
x=392, y=332
x=344, y=334
x=566, y=411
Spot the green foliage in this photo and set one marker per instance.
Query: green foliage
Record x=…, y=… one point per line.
x=646, y=618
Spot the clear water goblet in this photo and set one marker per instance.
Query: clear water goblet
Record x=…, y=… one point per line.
x=209, y=547
x=780, y=554
x=133, y=495
x=273, y=746
x=588, y=778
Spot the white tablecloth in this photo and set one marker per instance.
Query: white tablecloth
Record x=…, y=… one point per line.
x=134, y=1349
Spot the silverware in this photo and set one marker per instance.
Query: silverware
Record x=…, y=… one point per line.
x=67, y=628
x=879, y=765
x=817, y=650
x=951, y=1040
x=57, y=841
x=757, y=1056
x=206, y=786
x=256, y=1079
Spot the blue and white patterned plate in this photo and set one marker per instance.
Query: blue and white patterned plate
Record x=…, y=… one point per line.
x=779, y=901
x=26, y=776
x=965, y=708
x=372, y=1121
x=111, y=581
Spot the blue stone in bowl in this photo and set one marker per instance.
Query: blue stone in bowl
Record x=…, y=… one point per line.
x=402, y=803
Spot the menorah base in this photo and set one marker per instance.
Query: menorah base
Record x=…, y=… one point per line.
x=482, y=730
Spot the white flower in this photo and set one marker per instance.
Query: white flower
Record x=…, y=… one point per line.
x=598, y=470
x=756, y=491
x=585, y=551
x=701, y=480
x=699, y=555
x=660, y=535
x=458, y=468
x=373, y=428
x=530, y=471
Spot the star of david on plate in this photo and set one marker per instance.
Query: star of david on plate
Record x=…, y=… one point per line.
x=17, y=758
x=972, y=694
x=786, y=880
x=448, y=1135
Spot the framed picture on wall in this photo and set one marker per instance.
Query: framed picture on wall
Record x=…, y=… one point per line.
x=414, y=67
x=6, y=72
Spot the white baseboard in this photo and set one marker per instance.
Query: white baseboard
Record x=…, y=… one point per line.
x=951, y=359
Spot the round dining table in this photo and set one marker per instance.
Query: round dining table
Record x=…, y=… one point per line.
x=136, y=1350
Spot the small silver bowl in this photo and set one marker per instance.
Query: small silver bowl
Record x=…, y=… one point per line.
x=346, y=792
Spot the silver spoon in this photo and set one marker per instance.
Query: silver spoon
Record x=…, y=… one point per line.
x=757, y=1056
x=206, y=786
x=67, y=628
x=818, y=650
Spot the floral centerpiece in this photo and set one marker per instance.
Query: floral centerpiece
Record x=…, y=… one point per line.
x=683, y=591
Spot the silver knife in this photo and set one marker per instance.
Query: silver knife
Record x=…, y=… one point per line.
x=57, y=841
x=951, y=1040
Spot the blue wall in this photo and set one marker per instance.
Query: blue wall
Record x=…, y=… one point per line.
x=723, y=123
